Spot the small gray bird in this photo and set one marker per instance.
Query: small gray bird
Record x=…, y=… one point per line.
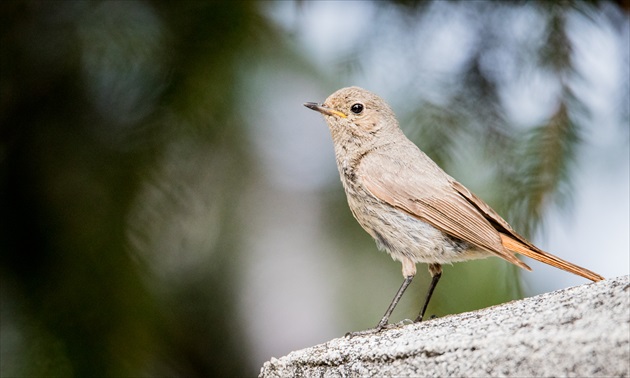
x=411, y=207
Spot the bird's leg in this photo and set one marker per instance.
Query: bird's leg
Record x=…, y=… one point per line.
x=436, y=273
x=392, y=305
x=409, y=271
x=383, y=323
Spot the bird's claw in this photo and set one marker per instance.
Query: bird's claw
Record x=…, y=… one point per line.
x=379, y=327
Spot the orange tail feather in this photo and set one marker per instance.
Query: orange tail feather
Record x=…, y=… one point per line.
x=547, y=258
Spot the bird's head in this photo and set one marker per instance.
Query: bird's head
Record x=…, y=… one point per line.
x=353, y=113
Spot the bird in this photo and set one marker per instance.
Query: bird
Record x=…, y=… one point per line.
x=412, y=208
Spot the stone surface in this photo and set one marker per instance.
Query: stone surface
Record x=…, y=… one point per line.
x=583, y=331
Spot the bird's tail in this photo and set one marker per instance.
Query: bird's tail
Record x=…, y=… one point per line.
x=547, y=258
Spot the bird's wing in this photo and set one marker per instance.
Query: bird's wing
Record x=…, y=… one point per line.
x=515, y=242
x=490, y=214
x=429, y=195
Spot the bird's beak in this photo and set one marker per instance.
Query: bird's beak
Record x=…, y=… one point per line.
x=324, y=109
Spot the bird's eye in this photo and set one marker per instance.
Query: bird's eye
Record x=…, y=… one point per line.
x=356, y=108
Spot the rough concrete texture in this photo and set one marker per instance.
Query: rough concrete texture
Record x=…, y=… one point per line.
x=582, y=331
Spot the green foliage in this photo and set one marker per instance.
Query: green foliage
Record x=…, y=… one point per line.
x=95, y=95
x=543, y=158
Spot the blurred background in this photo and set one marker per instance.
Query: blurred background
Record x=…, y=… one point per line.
x=169, y=207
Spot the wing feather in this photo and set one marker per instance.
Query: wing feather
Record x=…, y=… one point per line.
x=430, y=196
x=490, y=214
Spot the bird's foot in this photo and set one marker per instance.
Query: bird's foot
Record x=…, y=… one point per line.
x=419, y=319
x=380, y=327
x=366, y=332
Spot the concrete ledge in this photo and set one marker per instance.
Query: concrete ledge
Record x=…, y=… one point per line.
x=583, y=331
